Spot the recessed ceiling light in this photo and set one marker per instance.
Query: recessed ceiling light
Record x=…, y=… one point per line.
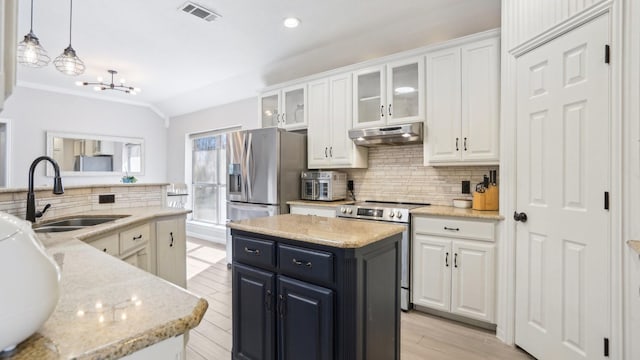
x=291, y=22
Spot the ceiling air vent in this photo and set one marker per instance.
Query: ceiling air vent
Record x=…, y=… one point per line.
x=199, y=11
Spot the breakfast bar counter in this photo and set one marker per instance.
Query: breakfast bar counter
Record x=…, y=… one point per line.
x=108, y=309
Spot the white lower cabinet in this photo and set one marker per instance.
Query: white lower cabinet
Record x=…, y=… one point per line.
x=326, y=211
x=158, y=247
x=171, y=251
x=451, y=271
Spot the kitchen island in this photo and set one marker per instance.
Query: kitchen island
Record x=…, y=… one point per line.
x=315, y=288
x=109, y=309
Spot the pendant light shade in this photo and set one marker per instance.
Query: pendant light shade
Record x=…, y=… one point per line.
x=68, y=62
x=30, y=52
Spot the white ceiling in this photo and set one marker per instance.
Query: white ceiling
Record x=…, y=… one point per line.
x=184, y=64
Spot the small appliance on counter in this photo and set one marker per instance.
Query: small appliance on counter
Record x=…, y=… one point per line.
x=323, y=185
x=486, y=195
x=29, y=281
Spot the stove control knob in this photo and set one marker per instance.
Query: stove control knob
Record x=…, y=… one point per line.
x=343, y=210
x=391, y=214
x=399, y=215
x=349, y=211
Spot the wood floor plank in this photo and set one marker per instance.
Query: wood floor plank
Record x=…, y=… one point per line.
x=422, y=336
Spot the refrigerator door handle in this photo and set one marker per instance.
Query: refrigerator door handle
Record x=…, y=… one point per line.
x=248, y=167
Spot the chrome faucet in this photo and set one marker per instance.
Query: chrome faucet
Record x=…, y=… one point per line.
x=31, y=196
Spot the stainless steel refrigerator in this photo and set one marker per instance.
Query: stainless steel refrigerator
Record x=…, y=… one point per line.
x=263, y=173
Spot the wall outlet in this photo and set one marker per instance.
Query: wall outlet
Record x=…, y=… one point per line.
x=350, y=185
x=106, y=199
x=466, y=186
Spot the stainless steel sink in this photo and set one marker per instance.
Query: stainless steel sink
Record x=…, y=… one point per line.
x=50, y=229
x=74, y=223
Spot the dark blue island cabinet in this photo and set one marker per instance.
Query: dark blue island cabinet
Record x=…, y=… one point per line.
x=296, y=300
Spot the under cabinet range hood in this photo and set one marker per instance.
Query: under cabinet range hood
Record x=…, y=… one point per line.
x=388, y=135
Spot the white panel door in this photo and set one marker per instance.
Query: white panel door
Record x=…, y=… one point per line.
x=473, y=280
x=480, y=100
x=341, y=115
x=432, y=261
x=563, y=166
x=319, y=132
x=443, y=106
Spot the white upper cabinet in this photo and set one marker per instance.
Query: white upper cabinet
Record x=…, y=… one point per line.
x=389, y=94
x=463, y=104
x=330, y=118
x=8, y=36
x=285, y=108
x=405, y=93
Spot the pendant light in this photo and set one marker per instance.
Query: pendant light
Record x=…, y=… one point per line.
x=68, y=62
x=30, y=52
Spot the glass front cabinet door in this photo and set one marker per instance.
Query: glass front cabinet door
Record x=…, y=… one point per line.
x=405, y=91
x=284, y=108
x=389, y=94
x=270, y=109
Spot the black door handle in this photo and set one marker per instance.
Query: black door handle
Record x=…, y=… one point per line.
x=381, y=111
x=457, y=148
x=446, y=260
x=171, y=243
x=520, y=217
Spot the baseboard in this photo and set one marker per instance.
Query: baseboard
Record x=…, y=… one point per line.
x=462, y=319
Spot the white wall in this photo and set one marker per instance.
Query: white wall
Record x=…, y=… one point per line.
x=243, y=113
x=33, y=112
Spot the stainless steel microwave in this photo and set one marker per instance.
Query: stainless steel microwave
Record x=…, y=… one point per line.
x=323, y=185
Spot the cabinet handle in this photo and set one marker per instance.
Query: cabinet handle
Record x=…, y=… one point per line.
x=446, y=259
x=137, y=237
x=389, y=109
x=457, y=148
x=455, y=260
x=284, y=118
x=105, y=249
x=381, y=110
x=171, y=243
x=452, y=229
x=267, y=300
x=325, y=152
x=465, y=144
x=303, y=262
x=331, y=151
x=278, y=118
x=252, y=251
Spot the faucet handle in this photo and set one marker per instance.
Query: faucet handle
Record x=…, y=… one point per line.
x=40, y=213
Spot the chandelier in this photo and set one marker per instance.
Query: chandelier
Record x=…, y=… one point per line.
x=100, y=85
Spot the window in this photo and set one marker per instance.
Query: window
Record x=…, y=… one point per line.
x=208, y=179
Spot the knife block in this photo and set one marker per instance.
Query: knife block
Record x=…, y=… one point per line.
x=479, y=200
x=487, y=200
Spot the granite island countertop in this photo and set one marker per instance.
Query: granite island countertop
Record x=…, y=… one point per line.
x=334, y=232
x=439, y=210
x=108, y=309
x=320, y=203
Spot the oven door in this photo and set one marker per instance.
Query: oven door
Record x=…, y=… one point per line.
x=405, y=263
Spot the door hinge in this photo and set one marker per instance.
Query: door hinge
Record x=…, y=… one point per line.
x=606, y=347
x=606, y=200
x=607, y=54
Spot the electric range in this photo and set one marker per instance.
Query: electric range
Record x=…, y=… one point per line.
x=399, y=214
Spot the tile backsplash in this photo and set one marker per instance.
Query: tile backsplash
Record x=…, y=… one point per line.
x=397, y=173
x=78, y=199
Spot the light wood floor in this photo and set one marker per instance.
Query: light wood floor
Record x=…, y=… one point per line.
x=423, y=336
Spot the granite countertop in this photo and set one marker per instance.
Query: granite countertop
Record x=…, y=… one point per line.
x=321, y=203
x=107, y=308
x=334, y=232
x=456, y=212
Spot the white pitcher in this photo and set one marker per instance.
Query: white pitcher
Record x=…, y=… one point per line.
x=29, y=282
